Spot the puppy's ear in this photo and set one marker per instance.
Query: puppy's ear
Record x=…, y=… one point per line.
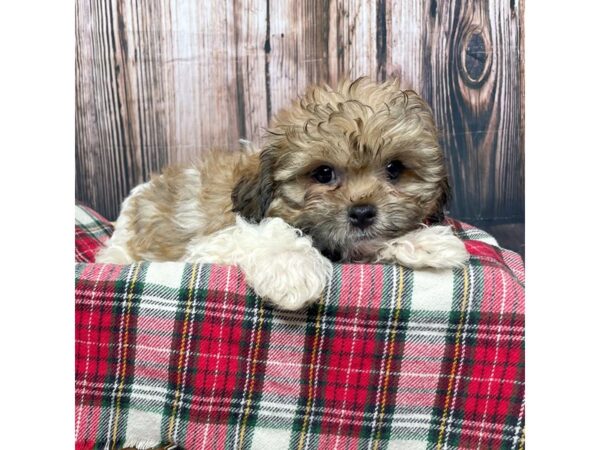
x=253, y=193
x=438, y=215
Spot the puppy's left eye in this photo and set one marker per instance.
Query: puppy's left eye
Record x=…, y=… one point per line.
x=323, y=174
x=394, y=169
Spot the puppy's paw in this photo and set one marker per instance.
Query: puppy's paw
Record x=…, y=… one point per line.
x=291, y=279
x=433, y=247
x=112, y=254
x=288, y=270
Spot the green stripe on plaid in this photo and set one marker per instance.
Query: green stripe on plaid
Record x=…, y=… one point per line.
x=389, y=358
x=466, y=232
x=371, y=366
x=91, y=230
x=92, y=223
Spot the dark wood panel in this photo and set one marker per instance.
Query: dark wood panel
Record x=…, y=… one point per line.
x=158, y=82
x=472, y=80
x=508, y=235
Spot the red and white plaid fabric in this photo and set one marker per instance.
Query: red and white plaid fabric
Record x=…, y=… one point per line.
x=91, y=230
x=389, y=358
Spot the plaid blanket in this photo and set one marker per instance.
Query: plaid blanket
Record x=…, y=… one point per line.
x=389, y=359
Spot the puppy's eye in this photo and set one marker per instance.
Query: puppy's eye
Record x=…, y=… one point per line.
x=323, y=174
x=394, y=169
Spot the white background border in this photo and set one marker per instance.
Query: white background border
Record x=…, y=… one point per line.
x=562, y=188
x=37, y=179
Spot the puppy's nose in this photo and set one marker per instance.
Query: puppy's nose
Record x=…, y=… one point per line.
x=362, y=216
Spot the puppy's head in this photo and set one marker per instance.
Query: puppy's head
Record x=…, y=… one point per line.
x=352, y=167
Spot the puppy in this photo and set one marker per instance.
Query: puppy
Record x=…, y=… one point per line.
x=349, y=174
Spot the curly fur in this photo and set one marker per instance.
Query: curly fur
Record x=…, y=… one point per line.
x=215, y=210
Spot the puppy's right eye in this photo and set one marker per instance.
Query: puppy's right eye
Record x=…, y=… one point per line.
x=323, y=175
x=394, y=169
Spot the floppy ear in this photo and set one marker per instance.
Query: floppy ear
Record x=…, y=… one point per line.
x=253, y=193
x=438, y=215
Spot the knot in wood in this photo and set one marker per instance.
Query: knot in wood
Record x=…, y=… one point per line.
x=475, y=58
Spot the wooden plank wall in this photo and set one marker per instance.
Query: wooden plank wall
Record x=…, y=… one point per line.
x=159, y=81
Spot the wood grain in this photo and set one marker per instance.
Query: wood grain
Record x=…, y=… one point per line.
x=472, y=82
x=158, y=82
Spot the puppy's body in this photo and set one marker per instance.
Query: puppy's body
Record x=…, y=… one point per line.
x=350, y=173
x=160, y=218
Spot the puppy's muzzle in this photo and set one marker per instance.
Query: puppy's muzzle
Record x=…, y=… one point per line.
x=362, y=216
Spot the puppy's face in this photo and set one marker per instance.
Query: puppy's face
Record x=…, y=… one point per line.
x=353, y=167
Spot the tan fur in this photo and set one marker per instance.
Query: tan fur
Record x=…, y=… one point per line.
x=160, y=230
x=357, y=128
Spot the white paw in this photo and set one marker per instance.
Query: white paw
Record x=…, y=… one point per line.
x=112, y=254
x=280, y=264
x=291, y=274
x=433, y=247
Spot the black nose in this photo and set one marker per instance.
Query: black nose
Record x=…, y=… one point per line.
x=362, y=216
